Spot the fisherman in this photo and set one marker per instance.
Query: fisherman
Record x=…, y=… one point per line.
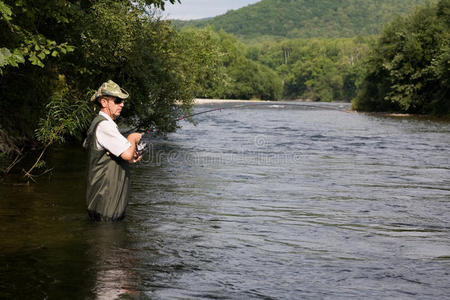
x=110, y=154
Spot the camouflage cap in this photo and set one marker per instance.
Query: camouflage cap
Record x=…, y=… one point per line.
x=110, y=88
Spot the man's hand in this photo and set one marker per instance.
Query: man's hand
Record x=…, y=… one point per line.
x=136, y=157
x=131, y=154
x=134, y=137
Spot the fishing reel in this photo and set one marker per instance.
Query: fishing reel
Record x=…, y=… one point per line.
x=141, y=147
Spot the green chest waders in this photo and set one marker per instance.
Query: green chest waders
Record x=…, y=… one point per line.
x=107, y=182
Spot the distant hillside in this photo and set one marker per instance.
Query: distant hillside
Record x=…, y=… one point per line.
x=308, y=18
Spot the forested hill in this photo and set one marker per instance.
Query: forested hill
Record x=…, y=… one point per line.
x=309, y=18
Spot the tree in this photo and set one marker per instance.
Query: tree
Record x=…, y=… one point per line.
x=407, y=69
x=202, y=61
x=55, y=53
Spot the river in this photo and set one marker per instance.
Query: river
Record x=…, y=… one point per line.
x=274, y=201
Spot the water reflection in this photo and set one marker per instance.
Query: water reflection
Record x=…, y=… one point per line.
x=113, y=261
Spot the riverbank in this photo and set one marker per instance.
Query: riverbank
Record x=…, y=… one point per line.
x=199, y=101
x=444, y=118
x=342, y=106
x=207, y=101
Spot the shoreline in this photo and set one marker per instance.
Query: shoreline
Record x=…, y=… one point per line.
x=207, y=101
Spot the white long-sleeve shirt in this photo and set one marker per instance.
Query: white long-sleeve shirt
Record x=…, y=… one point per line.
x=109, y=136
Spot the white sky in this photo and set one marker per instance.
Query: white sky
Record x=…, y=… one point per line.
x=197, y=9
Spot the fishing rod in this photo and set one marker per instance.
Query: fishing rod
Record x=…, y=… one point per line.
x=215, y=109
x=184, y=117
x=142, y=145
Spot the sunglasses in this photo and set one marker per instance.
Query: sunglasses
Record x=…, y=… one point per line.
x=118, y=101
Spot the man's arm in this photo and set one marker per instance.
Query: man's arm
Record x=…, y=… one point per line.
x=131, y=155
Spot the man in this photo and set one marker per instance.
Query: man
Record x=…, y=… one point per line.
x=110, y=153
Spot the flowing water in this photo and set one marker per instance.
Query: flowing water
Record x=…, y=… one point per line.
x=274, y=201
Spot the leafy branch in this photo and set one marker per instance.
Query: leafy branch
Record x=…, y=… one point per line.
x=65, y=116
x=33, y=46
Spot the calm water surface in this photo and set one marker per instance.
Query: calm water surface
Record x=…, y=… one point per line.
x=265, y=202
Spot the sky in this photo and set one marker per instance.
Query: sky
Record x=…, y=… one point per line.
x=197, y=9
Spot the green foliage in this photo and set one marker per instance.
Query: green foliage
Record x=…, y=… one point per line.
x=21, y=38
x=201, y=61
x=316, y=69
x=408, y=68
x=139, y=53
x=5, y=11
x=251, y=80
x=307, y=19
x=157, y=3
x=244, y=78
x=333, y=68
x=41, y=164
x=220, y=69
x=54, y=54
x=65, y=115
x=10, y=58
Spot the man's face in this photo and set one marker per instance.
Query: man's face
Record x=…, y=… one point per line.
x=113, y=106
